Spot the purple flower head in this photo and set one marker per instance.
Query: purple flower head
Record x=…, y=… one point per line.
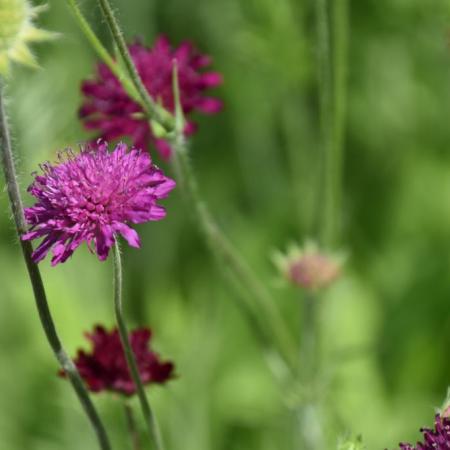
x=437, y=439
x=105, y=367
x=91, y=197
x=109, y=110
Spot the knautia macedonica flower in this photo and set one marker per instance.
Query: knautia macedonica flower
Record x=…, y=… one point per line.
x=17, y=31
x=92, y=196
x=308, y=267
x=433, y=439
x=104, y=368
x=110, y=111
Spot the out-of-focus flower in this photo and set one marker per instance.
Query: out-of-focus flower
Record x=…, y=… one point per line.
x=105, y=367
x=110, y=111
x=433, y=439
x=308, y=267
x=17, y=32
x=91, y=197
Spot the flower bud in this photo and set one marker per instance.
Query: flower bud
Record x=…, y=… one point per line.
x=308, y=267
x=17, y=31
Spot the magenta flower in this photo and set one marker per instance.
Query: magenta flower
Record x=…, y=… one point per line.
x=105, y=367
x=110, y=111
x=91, y=197
x=437, y=439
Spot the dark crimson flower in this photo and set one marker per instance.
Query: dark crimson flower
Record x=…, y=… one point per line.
x=105, y=367
x=91, y=197
x=110, y=111
x=437, y=439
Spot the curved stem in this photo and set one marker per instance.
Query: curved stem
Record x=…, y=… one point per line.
x=256, y=297
x=154, y=110
x=38, y=287
x=222, y=248
x=101, y=51
x=128, y=351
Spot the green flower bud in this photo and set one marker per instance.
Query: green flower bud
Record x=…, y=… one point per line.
x=17, y=31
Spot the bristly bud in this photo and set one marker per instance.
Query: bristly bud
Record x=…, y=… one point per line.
x=17, y=31
x=308, y=267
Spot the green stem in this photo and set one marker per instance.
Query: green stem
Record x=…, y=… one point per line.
x=222, y=248
x=131, y=425
x=310, y=426
x=129, y=354
x=239, y=273
x=37, y=284
x=327, y=219
x=332, y=73
x=340, y=58
x=101, y=51
x=154, y=111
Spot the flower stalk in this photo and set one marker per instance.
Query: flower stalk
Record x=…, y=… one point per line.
x=218, y=243
x=101, y=51
x=309, y=417
x=340, y=20
x=332, y=40
x=240, y=272
x=149, y=416
x=37, y=284
x=155, y=111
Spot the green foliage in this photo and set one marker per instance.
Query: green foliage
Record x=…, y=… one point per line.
x=385, y=328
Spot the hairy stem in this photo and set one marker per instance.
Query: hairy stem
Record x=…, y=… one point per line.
x=129, y=354
x=101, y=51
x=37, y=284
x=260, y=303
x=153, y=110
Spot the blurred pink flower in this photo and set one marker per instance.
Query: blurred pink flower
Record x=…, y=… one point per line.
x=109, y=110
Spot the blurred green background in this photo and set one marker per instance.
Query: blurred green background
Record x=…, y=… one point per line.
x=385, y=325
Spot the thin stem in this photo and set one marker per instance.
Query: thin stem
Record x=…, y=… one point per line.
x=309, y=417
x=129, y=354
x=340, y=57
x=37, y=284
x=332, y=74
x=221, y=247
x=131, y=425
x=239, y=272
x=327, y=219
x=101, y=50
x=155, y=111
